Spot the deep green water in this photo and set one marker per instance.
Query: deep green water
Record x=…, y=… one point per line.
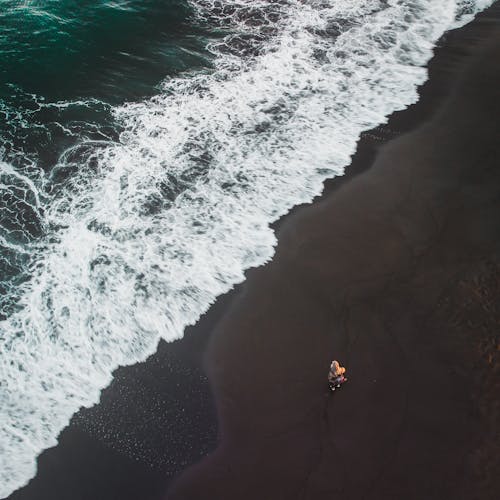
x=63, y=65
x=83, y=55
x=112, y=50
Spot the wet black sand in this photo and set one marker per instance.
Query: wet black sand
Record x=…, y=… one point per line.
x=396, y=274
x=373, y=273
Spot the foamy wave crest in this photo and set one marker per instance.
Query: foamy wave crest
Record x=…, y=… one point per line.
x=159, y=224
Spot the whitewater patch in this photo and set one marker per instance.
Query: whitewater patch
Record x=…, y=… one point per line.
x=158, y=224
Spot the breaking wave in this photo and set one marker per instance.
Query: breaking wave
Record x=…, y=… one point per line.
x=149, y=229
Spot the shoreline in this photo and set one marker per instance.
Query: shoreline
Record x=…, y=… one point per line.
x=106, y=468
x=377, y=275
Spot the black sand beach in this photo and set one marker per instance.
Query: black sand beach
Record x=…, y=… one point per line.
x=397, y=274
x=395, y=271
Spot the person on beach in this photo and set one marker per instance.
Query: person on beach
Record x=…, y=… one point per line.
x=336, y=375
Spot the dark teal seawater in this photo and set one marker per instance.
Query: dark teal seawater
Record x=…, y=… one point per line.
x=101, y=52
x=63, y=65
x=107, y=49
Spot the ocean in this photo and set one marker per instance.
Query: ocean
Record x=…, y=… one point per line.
x=145, y=149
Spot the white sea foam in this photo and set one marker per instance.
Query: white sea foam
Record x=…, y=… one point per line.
x=158, y=225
